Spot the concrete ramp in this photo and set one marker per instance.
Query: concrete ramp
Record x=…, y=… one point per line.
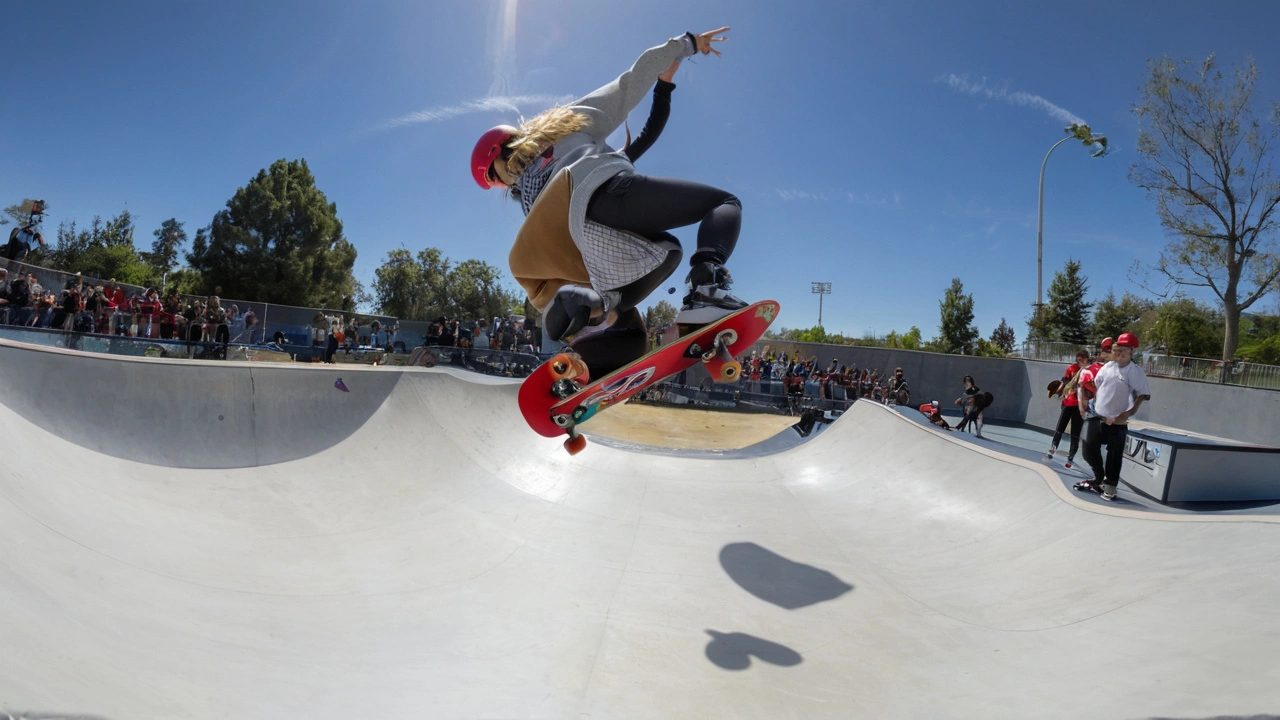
x=409, y=549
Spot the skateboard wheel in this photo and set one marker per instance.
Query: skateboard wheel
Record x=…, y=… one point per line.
x=729, y=372
x=566, y=367
x=575, y=444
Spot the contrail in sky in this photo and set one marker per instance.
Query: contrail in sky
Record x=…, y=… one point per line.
x=962, y=83
x=512, y=103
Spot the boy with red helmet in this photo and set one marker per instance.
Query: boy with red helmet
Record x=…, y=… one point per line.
x=1113, y=393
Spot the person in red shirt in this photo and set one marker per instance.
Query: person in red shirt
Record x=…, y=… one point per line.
x=1086, y=388
x=1070, y=412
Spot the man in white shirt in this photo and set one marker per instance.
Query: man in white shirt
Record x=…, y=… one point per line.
x=1118, y=389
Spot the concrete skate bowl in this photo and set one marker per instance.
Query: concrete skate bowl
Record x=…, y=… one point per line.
x=440, y=560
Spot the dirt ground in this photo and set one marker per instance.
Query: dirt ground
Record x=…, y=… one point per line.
x=691, y=429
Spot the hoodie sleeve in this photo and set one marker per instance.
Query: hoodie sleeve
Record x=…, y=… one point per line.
x=610, y=105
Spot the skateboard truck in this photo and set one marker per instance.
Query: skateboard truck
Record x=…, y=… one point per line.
x=717, y=359
x=576, y=441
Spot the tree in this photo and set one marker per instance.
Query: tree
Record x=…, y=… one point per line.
x=1110, y=318
x=957, y=331
x=659, y=316
x=164, y=251
x=815, y=334
x=1266, y=352
x=1186, y=327
x=1068, y=313
x=102, y=250
x=986, y=348
x=429, y=286
x=474, y=291
x=278, y=240
x=1003, y=337
x=1206, y=159
x=412, y=288
x=912, y=339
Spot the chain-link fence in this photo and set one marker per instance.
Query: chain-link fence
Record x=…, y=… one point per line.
x=248, y=322
x=1243, y=374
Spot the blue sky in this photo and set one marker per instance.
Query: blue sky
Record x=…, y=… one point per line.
x=883, y=147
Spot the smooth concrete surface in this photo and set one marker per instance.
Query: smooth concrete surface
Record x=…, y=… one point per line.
x=437, y=559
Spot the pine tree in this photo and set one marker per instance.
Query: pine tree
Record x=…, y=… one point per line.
x=957, y=331
x=1068, y=313
x=278, y=240
x=1003, y=337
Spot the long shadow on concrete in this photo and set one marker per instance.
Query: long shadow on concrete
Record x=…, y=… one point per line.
x=32, y=715
x=733, y=651
x=1225, y=717
x=775, y=579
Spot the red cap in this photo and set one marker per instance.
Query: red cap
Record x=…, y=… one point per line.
x=1106, y=343
x=1128, y=340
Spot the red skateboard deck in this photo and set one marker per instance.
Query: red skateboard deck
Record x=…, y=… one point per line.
x=716, y=345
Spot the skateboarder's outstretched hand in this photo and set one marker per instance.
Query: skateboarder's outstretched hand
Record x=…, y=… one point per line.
x=705, y=39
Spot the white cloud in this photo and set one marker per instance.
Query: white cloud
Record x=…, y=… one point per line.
x=962, y=84
x=880, y=200
x=789, y=195
x=510, y=103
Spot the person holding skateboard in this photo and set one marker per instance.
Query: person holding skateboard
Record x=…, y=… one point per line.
x=596, y=240
x=972, y=403
x=1069, y=413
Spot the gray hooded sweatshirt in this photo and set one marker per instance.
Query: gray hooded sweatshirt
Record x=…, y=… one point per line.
x=613, y=258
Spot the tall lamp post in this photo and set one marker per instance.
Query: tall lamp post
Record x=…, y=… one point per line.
x=820, y=289
x=1074, y=132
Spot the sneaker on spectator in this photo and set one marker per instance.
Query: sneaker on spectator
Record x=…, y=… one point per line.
x=1068, y=465
x=1049, y=455
x=1109, y=492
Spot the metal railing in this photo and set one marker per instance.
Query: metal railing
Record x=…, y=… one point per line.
x=294, y=322
x=140, y=347
x=1243, y=374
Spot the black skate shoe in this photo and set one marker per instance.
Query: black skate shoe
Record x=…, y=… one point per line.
x=708, y=298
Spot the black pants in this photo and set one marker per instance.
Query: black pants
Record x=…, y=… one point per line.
x=651, y=206
x=1113, y=438
x=1098, y=434
x=1070, y=415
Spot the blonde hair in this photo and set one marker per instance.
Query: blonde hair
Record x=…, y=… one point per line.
x=541, y=132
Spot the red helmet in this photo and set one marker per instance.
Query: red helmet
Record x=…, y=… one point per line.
x=1106, y=344
x=488, y=149
x=1128, y=340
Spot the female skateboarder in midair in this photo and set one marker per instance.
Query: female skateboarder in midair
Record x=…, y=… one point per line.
x=598, y=244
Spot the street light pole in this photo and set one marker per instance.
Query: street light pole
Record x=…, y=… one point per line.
x=1085, y=135
x=1040, y=232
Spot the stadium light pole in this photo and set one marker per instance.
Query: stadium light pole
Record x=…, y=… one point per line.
x=820, y=289
x=1085, y=135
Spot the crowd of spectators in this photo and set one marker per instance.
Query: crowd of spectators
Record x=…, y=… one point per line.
x=510, y=334
x=834, y=380
x=107, y=309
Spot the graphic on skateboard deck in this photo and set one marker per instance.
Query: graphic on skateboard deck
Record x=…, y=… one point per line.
x=559, y=395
